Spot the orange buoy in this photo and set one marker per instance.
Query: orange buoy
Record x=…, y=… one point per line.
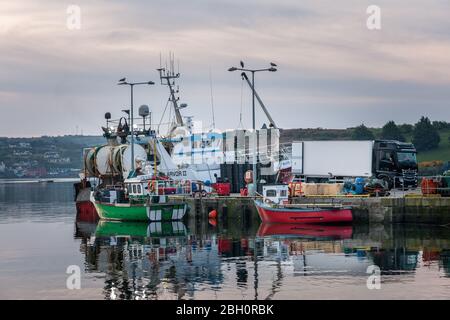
x=213, y=214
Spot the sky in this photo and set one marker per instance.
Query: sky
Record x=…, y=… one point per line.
x=333, y=72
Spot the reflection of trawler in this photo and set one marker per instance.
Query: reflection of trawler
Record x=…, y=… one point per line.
x=159, y=257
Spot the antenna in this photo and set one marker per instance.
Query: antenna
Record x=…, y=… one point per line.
x=171, y=62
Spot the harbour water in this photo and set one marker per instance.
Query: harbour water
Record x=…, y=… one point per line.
x=41, y=238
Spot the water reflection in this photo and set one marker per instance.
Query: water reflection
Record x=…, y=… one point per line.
x=170, y=261
x=234, y=258
x=148, y=260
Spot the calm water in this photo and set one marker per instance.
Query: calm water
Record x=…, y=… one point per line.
x=40, y=238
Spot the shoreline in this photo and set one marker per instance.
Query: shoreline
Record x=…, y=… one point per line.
x=37, y=180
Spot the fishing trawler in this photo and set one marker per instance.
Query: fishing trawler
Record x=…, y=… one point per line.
x=142, y=198
x=184, y=153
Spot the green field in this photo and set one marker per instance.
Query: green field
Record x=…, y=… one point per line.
x=441, y=153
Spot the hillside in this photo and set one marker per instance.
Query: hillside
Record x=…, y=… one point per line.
x=43, y=156
x=441, y=153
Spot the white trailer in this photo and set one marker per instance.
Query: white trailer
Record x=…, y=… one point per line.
x=332, y=158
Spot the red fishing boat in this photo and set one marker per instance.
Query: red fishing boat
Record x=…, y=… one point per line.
x=275, y=208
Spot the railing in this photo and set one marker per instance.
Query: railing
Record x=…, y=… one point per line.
x=168, y=187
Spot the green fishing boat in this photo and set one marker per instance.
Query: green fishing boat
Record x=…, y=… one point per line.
x=142, y=198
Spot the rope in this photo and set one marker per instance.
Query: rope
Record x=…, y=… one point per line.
x=212, y=99
x=162, y=117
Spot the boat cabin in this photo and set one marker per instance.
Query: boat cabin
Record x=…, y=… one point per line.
x=278, y=194
x=142, y=186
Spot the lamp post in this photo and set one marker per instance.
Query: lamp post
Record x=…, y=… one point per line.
x=122, y=82
x=253, y=71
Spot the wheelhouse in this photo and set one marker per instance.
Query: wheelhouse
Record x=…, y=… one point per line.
x=278, y=194
x=142, y=187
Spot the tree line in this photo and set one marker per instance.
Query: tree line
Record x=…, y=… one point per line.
x=425, y=134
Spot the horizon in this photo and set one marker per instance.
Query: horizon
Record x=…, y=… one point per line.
x=100, y=135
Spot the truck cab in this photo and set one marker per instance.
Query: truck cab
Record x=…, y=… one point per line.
x=395, y=162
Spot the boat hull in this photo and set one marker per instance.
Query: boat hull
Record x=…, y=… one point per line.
x=85, y=208
x=303, y=215
x=86, y=211
x=153, y=213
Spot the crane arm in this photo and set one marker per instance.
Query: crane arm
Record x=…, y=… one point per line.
x=244, y=76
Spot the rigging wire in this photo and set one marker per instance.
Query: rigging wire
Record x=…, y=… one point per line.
x=212, y=99
x=162, y=117
x=171, y=120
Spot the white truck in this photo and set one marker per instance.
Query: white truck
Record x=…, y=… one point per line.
x=393, y=161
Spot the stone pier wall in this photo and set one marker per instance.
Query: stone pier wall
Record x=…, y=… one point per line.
x=385, y=210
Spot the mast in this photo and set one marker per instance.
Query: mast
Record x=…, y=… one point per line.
x=167, y=76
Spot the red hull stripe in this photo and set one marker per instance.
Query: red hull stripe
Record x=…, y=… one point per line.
x=86, y=211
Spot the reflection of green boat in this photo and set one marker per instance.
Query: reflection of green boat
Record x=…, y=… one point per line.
x=140, y=229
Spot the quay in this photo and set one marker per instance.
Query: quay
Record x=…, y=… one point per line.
x=400, y=207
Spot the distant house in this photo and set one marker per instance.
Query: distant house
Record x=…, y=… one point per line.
x=24, y=145
x=59, y=160
x=58, y=171
x=35, y=172
x=51, y=155
x=19, y=153
x=20, y=145
x=23, y=164
x=18, y=172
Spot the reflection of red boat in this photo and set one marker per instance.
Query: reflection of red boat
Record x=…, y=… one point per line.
x=305, y=230
x=284, y=214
